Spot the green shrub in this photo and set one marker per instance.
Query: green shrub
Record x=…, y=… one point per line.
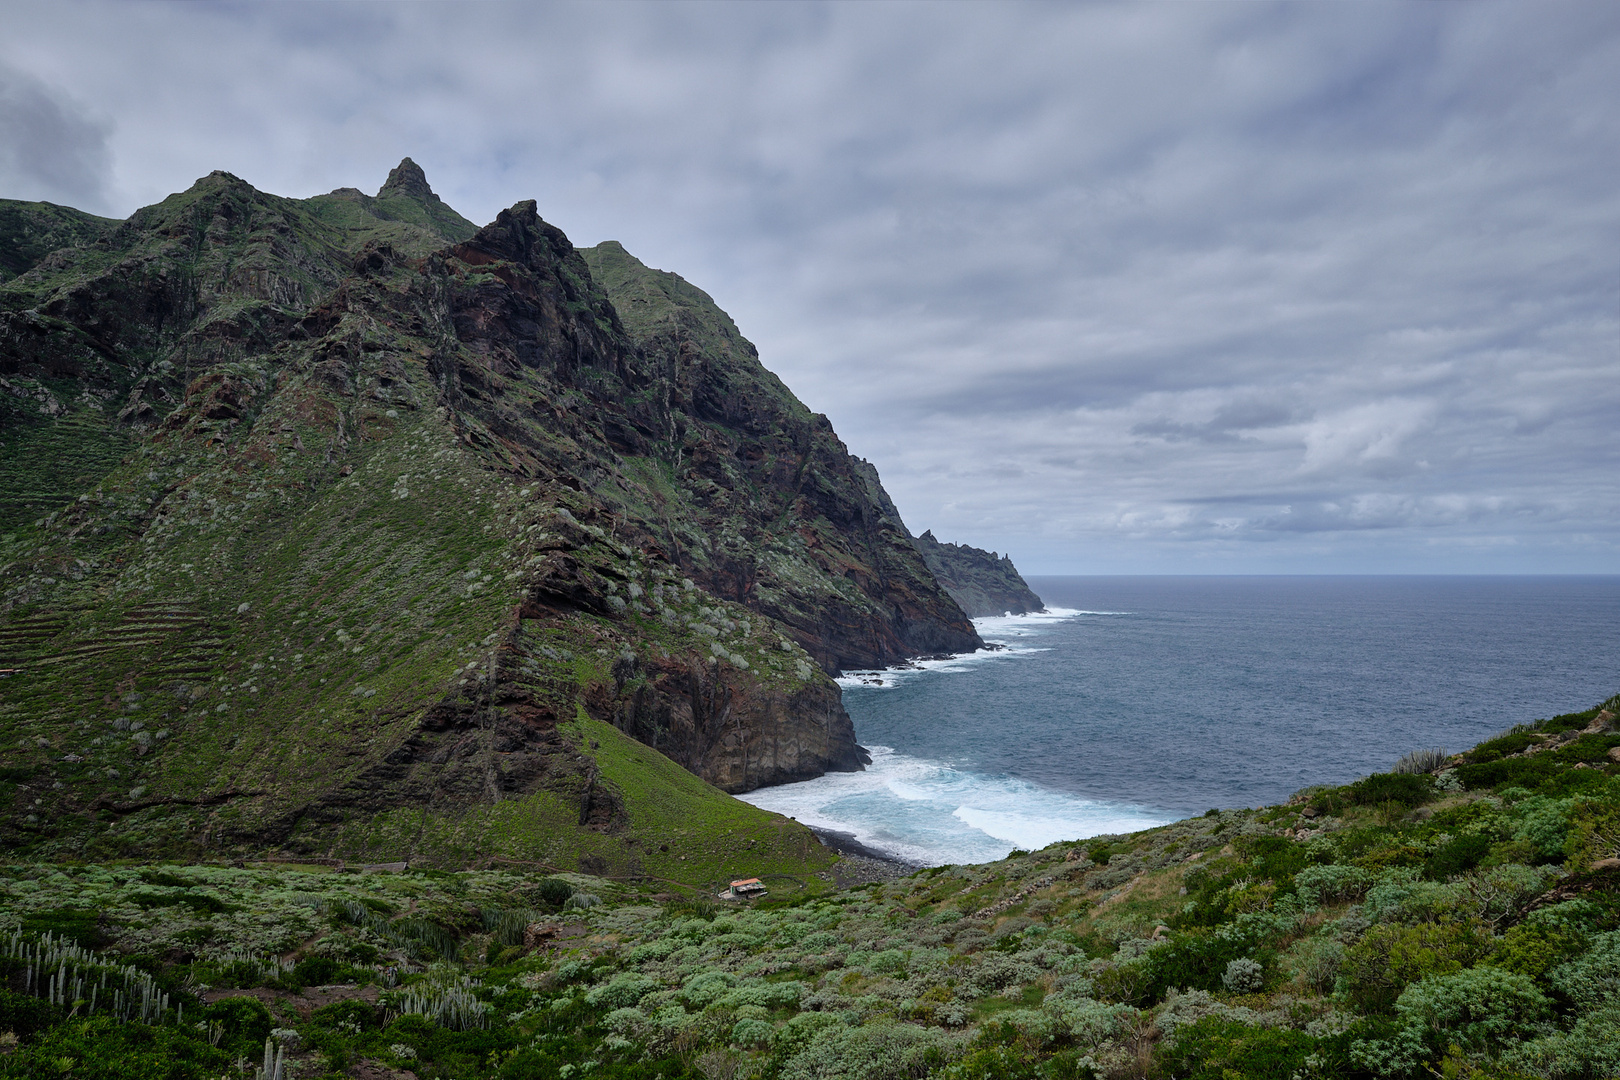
x=1015, y=1063
x=751, y=1032
x=554, y=892
x=626, y=988
x=799, y=1032
x=1480, y=1008
x=1594, y=833
x=201, y=903
x=707, y=987
x=1332, y=883
x=1274, y=858
x=1501, y=746
x=1541, y=773
x=105, y=1049
x=1534, y=949
x=82, y=926
x=1089, y=1022
x=1191, y=960
x=1402, y=789
x=1402, y=896
x=1528, y=773
x=24, y=1015
x=1593, y=979
x=315, y=971
x=1544, y=822
x=1588, y=1048
x=341, y=1014
x=1591, y=749
x=874, y=1052
x=1457, y=856
x=245, y=1022
x=1244, y=976
x=1377, y=968
x=1216, y=1049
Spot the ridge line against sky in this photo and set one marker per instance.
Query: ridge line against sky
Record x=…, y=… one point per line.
x=1116, y=288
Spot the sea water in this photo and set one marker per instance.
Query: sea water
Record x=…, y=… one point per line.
x=1134, y=701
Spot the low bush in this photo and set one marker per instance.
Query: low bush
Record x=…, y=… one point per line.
x=1495, y=749
x=874, y=1052
x=244, y=1023
x=1403, y=790
x=23, y=1015
x=1588, y=1048
x=1480, y=1009
x=1216, y=1049
x=1593, y=979
x=1332, y=883
x=1457, y=856
x=1388, y=958
x=105, y=1049
x=554, y=892
x=1192, y=960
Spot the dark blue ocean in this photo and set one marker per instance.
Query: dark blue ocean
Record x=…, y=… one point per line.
x=1138, y=700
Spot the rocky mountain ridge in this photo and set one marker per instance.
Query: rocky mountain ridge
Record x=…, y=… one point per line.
x=334, y=523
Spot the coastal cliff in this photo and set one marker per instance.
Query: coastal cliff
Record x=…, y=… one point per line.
x=323, y=515
x=980, y=581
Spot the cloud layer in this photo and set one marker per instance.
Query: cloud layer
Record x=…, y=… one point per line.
x=1130, y=288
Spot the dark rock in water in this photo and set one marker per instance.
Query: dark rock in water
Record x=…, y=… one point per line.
x=379, y=513
x=980, y=581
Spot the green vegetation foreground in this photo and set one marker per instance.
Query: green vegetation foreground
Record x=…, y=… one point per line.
x=1455, y=917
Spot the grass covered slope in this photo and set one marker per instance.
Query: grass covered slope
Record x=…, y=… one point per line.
x=1457, y=917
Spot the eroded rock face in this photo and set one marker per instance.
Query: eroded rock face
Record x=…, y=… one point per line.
x=776, y=513
x=369, y=508
x=982, y=582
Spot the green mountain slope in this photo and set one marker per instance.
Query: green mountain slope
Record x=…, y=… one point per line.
x=329, y=523
x=32, y=231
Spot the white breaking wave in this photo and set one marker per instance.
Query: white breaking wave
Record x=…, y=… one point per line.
x=1015, y=634
x=931, y=813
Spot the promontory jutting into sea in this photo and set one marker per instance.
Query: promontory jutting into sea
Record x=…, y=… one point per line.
x=439, y=651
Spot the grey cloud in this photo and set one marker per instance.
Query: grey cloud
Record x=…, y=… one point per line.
x=49, y=148
x=1107, y=286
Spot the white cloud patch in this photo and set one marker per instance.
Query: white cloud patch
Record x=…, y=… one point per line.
x=1114, y=287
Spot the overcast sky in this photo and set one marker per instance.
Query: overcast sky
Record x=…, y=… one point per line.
x=1119, y=288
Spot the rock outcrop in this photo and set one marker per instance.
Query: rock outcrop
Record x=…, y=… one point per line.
x=982, y=582
x=769, y=508
x=321, y=511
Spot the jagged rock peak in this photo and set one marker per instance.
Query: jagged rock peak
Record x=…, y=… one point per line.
x=407, y=178
x=521, y=235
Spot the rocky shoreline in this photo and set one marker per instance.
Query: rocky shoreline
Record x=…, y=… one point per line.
x=860, y=863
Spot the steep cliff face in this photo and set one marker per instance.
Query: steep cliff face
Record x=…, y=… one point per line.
x=330, y=512
x=760, y=500
x=980, y=581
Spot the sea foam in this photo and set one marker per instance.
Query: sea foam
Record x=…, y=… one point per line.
x=931, y=813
